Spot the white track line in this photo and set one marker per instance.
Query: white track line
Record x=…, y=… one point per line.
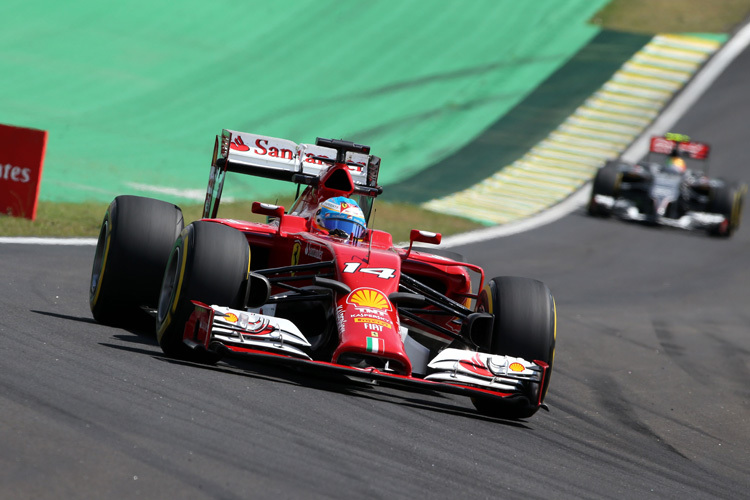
x=691, y=93
x=27, y=240
x=673, y=112
x=694, y=89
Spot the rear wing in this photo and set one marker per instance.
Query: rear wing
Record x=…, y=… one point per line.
x=671, y=143
x=284, y=160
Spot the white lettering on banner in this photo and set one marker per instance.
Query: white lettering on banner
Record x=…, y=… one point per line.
x=310, y=158
x=15, y=174
x=272, y=151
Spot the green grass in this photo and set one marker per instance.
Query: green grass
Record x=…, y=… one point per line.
x=639, y=16
x=673, y=16
x=84, y=219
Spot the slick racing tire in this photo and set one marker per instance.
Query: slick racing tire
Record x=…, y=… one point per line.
x=525, y=326
x=727, y=200
x=134, y=242
x=606, y=183
x=209, y=262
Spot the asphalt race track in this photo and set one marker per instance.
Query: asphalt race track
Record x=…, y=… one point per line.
x=650, y=397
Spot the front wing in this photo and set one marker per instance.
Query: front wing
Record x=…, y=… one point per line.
x=626, y=210
x=225, y=331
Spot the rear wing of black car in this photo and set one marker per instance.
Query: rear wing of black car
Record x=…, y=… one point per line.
x=679, y=144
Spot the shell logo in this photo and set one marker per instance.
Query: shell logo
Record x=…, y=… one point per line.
x=367, y=297
x=516, y=367
x=230, y=317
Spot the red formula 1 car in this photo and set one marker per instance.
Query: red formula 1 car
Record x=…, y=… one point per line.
x=315, y=287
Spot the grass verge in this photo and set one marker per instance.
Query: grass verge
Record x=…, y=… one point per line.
x=672, y=16
x=84, y=219
x=635, y=16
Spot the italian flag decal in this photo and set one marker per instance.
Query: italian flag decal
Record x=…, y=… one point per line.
x=375, y=345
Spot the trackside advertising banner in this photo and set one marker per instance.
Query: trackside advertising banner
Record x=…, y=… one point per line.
x=21, y=158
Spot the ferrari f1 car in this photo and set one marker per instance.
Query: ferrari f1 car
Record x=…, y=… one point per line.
x=669, y=188
x=314, y=287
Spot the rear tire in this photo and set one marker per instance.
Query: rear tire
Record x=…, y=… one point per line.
x=209, y=262
x=727, y=201
x=134, y=242
x=606, y=183
x=524, y=327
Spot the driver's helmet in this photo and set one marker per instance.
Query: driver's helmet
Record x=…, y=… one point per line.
x=340, y=215
x=676, y=165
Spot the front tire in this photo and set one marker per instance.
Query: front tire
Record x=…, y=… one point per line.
x=209, y=263
x=606, y=183
x=525, y=326
x=134, y=242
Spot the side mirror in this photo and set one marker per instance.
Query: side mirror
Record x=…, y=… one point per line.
x=267, y=209
x=422, y=237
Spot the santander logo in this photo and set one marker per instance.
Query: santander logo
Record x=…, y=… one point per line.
x=238, y=144
x=15, y=174
x=262, y=147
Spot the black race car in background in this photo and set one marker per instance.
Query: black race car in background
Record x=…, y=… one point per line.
x=669, y=187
